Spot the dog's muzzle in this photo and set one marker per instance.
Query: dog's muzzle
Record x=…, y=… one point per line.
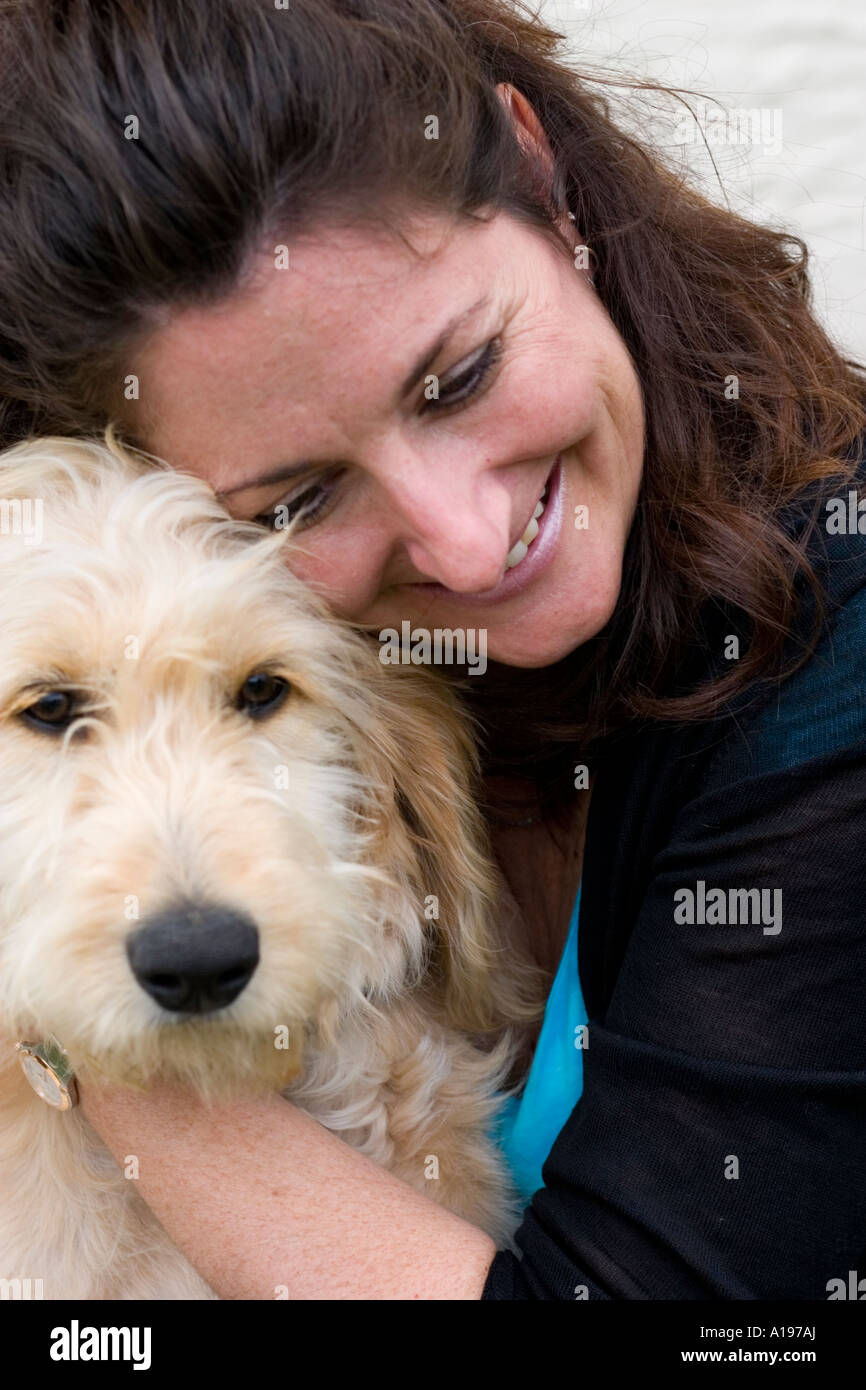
x=193, y=958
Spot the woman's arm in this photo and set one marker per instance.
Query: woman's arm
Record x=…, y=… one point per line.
x=258, y=1196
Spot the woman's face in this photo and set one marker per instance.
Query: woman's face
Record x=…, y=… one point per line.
x=314, y=388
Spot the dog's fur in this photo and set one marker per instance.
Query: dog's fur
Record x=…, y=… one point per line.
x=335, y=824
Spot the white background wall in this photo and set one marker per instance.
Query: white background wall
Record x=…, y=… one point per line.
x=801, y=58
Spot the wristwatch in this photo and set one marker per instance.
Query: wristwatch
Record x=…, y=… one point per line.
x=47, y=1068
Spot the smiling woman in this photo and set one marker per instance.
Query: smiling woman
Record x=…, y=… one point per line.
x=412, y=507
x=338, y=267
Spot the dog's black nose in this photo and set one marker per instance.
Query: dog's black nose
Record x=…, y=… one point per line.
x=194, y=959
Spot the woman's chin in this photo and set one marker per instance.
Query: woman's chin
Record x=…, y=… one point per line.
x=531, y=653
x=534, y=641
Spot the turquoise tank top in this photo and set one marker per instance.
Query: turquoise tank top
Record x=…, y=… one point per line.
x=528, y=1124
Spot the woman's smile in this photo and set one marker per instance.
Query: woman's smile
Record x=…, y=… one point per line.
x=530, y=555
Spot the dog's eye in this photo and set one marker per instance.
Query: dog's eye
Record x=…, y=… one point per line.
x=52, y=712
x=262, y=694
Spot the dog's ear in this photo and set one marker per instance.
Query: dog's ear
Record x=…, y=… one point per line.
x=425, y=750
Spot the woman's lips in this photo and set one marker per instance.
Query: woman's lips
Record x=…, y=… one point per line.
x=537, y=558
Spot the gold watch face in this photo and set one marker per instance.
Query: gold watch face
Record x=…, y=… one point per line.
x=46, y=1082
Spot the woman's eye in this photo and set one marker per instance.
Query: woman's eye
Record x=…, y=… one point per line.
x=52, y=712
x=303, y=508
x=470, y=380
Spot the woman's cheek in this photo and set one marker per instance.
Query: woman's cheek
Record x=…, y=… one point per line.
x=333, y=572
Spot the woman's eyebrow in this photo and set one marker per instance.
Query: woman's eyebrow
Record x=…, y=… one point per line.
x=282, y=472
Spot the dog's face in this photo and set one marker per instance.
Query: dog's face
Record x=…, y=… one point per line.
x=212, y=808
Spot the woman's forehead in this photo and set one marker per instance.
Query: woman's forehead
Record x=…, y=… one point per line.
x=326, y=333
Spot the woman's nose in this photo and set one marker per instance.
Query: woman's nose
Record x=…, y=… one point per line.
x=457, y=539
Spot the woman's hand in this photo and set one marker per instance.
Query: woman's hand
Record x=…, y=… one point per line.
x=265, y=1203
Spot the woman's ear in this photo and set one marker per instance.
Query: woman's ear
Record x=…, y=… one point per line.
x=427, y=751
x=533, y=141
x=528, y=129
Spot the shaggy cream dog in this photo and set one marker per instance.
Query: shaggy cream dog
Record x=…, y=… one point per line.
x=234, y=849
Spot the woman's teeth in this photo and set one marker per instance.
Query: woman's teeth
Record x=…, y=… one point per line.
x=517, y=552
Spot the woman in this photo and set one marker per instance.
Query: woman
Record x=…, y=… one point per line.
x=393, y=267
